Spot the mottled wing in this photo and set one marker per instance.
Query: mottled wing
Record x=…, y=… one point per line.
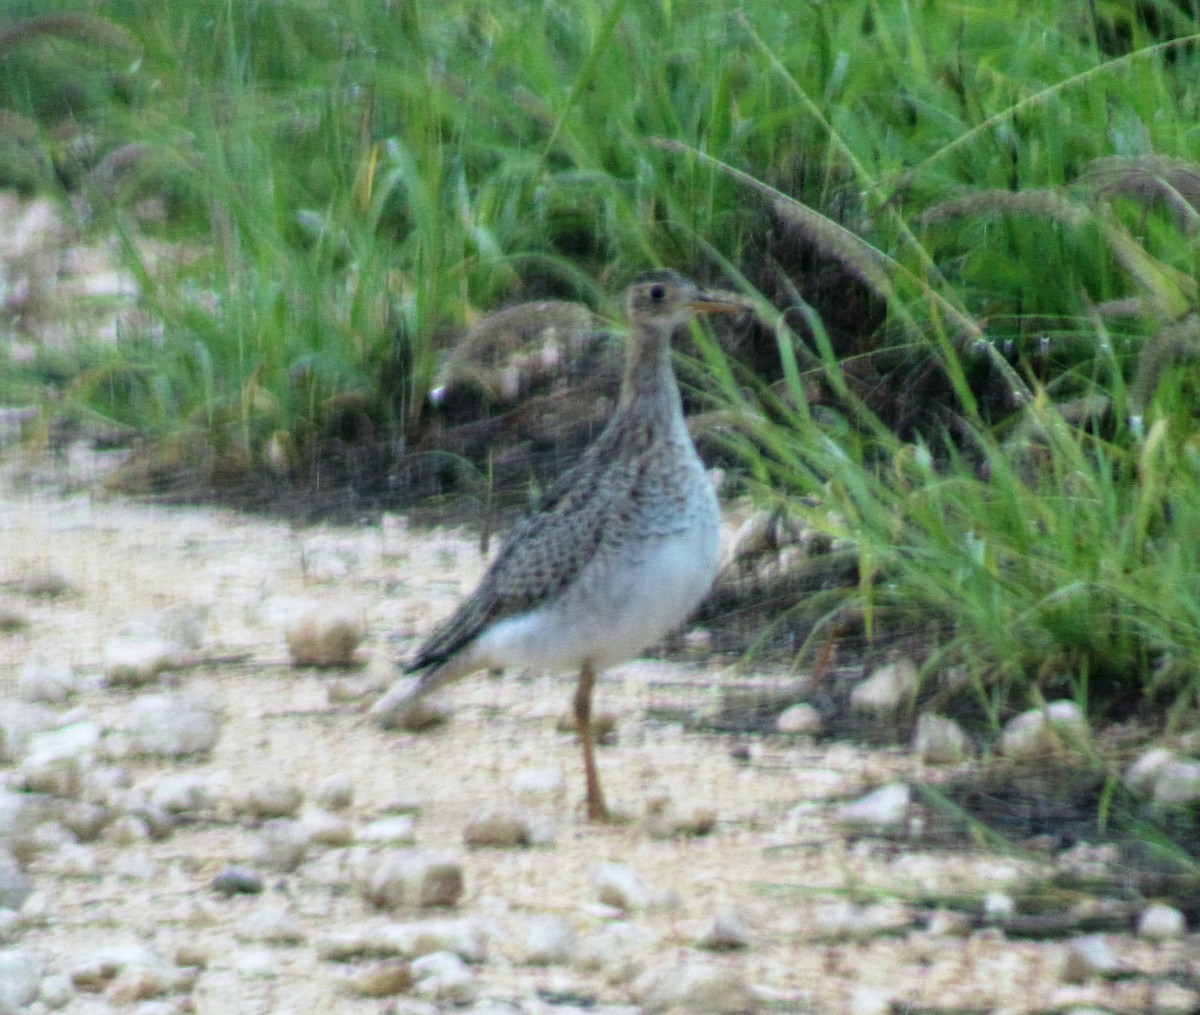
x=546, y=552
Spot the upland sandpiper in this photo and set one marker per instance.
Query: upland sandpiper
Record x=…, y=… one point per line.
x=620, y=549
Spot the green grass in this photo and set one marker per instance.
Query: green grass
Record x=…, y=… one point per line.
x=358, y=178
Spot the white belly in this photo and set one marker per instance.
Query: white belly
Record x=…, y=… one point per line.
x=622, y=603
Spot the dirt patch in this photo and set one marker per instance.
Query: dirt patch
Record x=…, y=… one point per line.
x=831, y=916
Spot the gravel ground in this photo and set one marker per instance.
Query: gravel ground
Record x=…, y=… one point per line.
x=822, y=913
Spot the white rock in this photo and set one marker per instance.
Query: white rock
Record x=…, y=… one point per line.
x=10, y=924
x=667, y=819
x=283, y=843
x=56, y=992
x=57, y=759
x=15, y=884
x=400, y=828
x=1088, y=956
x=270, y=798
x=274, y=925
x=21, y=813
x=498, y=826
x=883, y=810
x=940, y=741
x=696, y=988
x=534, y=782
x=1178, y=783
x=135, y=659
x=327, y=829
x=172, y=725
x=443, y=976
x=43, y=678
x=181, y=793
x=549, y=941
x=1161, y=923
x=394, y=711
x=726, y=932
x=887, y=689
x=380, y=979
x=1061, y=725
x=324, y=636
x=618, y=886
x=617, y=952
x=334, y=792
x=410, y=878
x=73, y=860
x=948, y=923
x=20, y=978
x=871, y=1001
x=801, y=718
x=1142, y=775
x=998, y=907
x=84, y=820
x=466, y=938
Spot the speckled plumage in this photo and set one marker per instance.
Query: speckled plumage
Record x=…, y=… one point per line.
x=620, y=549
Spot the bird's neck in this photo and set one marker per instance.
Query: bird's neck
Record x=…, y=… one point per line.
x=649, y=387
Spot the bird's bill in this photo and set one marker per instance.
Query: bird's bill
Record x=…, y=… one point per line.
x=719, y=303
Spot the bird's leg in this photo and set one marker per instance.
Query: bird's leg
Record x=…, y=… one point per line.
x=596, y=811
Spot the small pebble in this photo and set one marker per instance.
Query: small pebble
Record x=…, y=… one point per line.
x=15, y=885
x=998, y=907
x=727, y=932
x=1178, y=784
x=46, y=583
x=381, y=979
x=948, y=923
x=498, y=826
x=20, y=978
x=1088, y=956
x=133, y=660
x=134, y=984
x=1040, y=732
x=393, y=710
x=270, y=799
x=399, y=829
x=237, y=881
x=696, y=988
x=283, y=843
x=884, y=810
x=550, y=940
x=182, y=793
x=56, y=991
x=324, y=638
x=443, y=976
x=887, y=689
x=334, y=792
x=172, y=725
x=939, y=740
x=1142, y=776
x=1161, y=923
x=84, y=820
x=45, y=679
x=618, y=886
x=538, y=782
x=801, y=718
x=410, y=878
x=327, y=829
x=274, y=925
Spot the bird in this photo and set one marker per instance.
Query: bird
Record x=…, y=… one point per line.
x=618, y=551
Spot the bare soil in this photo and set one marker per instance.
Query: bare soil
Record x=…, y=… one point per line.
x=832, y=922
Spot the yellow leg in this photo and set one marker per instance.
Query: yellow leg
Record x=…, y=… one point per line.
x=596, y=811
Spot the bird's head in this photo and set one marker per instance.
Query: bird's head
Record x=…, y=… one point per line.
x=665, y=299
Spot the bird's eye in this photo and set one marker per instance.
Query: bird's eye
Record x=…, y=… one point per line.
x=657, y=293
